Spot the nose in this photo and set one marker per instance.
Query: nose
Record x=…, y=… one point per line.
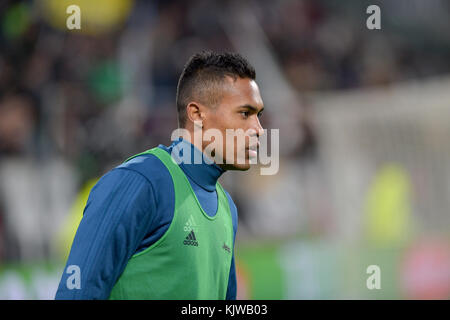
x=259, y=129
x=255, y=129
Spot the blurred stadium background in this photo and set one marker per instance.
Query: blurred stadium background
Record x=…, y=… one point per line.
x=364, y=119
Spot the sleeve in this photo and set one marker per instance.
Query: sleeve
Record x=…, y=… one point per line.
x=232, y=282
x=118, y=213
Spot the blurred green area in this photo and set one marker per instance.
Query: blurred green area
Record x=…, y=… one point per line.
x=291, y=270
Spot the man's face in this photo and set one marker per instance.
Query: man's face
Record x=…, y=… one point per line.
x=240, y=107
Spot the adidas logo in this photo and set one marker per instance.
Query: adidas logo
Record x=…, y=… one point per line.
x=226, y=248
x=191, y=240
x=189, y=224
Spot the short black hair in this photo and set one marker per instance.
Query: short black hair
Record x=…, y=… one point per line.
x=202, y=75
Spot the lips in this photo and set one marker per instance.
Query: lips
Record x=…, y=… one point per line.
x=254, y=147
x=252, y=153
x=253, y=150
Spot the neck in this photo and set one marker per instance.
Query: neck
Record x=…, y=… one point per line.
x=204, y=174
x=195, y=138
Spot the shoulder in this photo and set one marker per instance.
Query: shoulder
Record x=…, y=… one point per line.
x=233, y=210
x=147, y=165
x=150, y=168
x=230, y=200
x=144, y=171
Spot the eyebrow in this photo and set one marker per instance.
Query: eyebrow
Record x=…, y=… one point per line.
x=254, y=109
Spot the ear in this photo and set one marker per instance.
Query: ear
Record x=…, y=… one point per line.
x=195, y=111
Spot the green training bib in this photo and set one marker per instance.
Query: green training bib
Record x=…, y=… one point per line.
x=192, y=259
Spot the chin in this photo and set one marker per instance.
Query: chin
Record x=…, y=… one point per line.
x=241, y=167
x=236, y=167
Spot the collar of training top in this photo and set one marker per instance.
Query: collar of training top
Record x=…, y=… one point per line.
x=203, y=174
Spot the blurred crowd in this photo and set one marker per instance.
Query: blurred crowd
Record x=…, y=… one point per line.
x=74, y=104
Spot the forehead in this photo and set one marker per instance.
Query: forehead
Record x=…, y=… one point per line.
x=241, y=91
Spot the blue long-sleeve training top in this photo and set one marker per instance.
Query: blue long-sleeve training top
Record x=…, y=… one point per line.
x=128, y=210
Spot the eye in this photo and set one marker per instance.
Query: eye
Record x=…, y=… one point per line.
x=260, y=114
x=245, y=114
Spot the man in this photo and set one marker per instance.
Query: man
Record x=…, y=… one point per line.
x=155, y=229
